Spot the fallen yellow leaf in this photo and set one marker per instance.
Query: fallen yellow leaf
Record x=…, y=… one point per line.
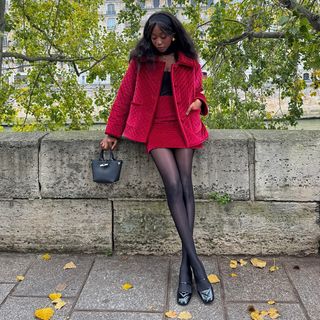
x=233, y=275
x=271, y=302
x=44, y=314
x=273, y=268
x=127, y=286
x=54, y=296
x=242, y=262
x=20, y=278
x=184, y=315
x=59, y=303
x=273, y=313
x=258, y=263
x=69, y=265
x=171, y=314
x=213, y=278
x=264, y=313
x=233, y=264
x=46, y=257
x=255, y=315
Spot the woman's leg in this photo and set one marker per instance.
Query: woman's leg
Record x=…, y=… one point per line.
x=184, y=159
x=168, y=168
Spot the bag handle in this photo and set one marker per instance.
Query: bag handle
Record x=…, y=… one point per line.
x=111, y=156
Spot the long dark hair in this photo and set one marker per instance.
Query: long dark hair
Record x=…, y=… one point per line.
x=171, y=26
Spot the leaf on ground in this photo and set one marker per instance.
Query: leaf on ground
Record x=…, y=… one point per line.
x=60, y=287
x=273, y=268
x=20, y=277
x=171, y=314
x=184, y=315
x=46, y=257
x=213, y=278
x=242, y=262
x=258, y=263
x=44, y=314
x=273, y=313
x=69, y=265
x=127, y=286
x=233, y=264
x=55, y=295
x=233, y=275
x=255, y=315
x=59, y=303
x=271, y=302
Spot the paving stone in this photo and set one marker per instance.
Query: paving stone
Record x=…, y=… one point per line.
x=12, y=264
x=306, y=280
x=196, y=307
x=255, y=284
x=42, y=278
x=23, y=308
x=115, y=316
x=147, y=274
x=5, y=289
x=287, y=311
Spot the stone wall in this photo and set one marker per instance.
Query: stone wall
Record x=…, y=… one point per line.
x=48, y=201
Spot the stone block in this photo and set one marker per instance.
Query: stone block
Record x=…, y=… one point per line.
x=148, y=276
x=287, y=165
x=56, y=225
x=19, y=164
x=223, y=165
x=65, y=167
x=240, y=227
x=44, y=276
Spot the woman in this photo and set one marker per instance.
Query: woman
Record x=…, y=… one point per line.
x=159, y=103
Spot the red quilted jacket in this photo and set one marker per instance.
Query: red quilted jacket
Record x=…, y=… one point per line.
x=134, y=107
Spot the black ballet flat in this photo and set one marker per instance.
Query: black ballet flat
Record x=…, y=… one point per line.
x=183, y=297
x=206, y=295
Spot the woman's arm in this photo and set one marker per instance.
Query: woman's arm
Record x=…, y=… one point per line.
x=199, y=94
x=120, y=108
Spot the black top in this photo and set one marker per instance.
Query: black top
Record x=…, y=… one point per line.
x=166, y=86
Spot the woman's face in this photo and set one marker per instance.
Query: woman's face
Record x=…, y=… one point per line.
x=160, y=40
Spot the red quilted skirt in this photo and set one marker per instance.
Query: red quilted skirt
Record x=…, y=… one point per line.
x=165, y=131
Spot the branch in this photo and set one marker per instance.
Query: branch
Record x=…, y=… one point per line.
x=52, y=58
x=314, y=19
x=252, y=34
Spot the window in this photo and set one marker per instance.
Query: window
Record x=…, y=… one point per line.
x=142, y=3
x=5, y=41
x=156, y=3
x=169, y=3
x=110, y=9
x=83, y=79
x=306, y=76
x=111, y=24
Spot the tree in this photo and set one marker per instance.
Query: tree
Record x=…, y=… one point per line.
x=250, y=49
x=253, y=48
x=56, y=41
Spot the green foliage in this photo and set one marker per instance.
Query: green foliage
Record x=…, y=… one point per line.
x=244, y=68
x=220, y=198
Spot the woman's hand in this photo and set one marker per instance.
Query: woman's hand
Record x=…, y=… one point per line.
x=195, y=105
x=108, y=142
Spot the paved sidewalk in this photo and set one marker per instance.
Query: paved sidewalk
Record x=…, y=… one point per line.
x=93, y=289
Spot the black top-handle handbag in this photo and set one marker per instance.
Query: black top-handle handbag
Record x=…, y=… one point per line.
x=106, y=170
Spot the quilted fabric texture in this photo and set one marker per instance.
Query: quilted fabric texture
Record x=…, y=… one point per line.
x=133, y=110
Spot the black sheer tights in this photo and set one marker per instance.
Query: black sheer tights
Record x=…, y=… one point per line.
x=175, y=168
